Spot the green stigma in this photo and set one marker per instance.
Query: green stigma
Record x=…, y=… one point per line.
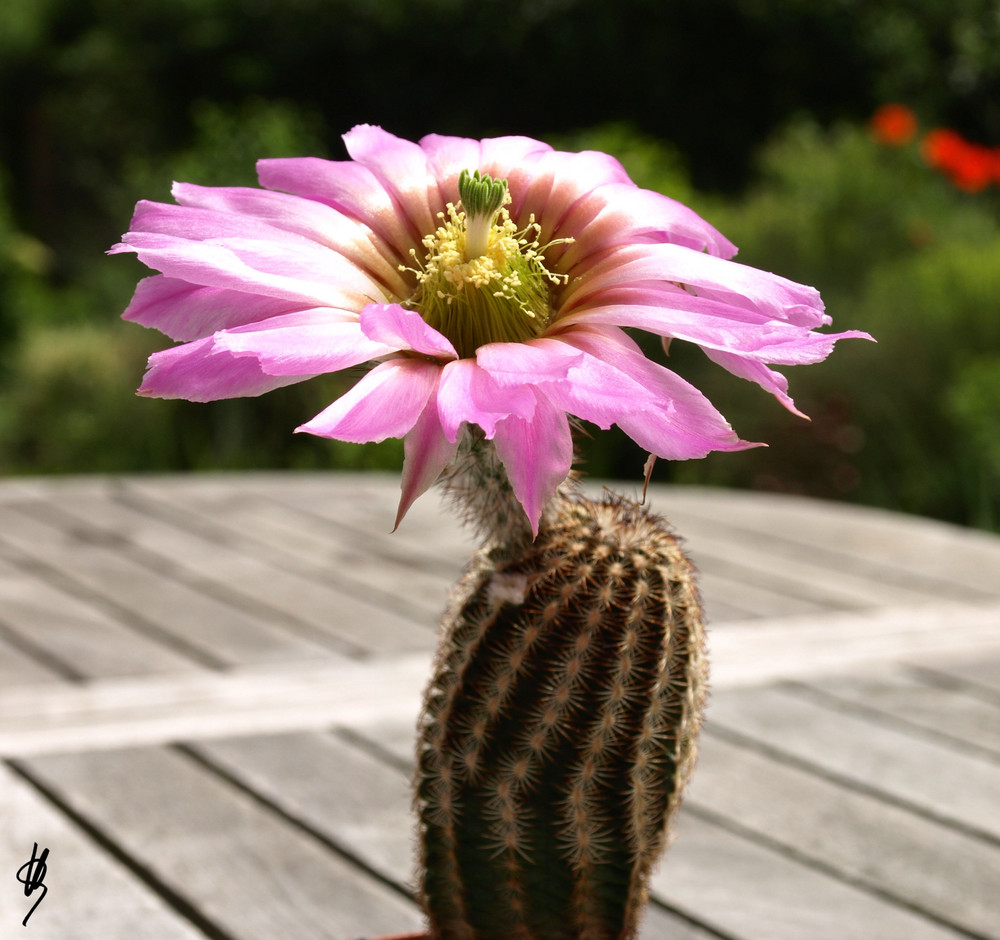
x=480, y=194
x=482, y=198
x=481, y=280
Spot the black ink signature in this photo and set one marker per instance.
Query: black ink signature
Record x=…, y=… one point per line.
x=33, y=878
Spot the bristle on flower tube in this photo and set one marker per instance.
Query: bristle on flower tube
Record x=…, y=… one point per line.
x=559, y=728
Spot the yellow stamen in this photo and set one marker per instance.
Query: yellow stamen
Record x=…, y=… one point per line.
x=481, y=280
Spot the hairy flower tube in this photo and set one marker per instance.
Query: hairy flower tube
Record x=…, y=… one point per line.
x=488, y=283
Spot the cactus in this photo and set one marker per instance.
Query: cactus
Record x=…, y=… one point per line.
x=559, y=727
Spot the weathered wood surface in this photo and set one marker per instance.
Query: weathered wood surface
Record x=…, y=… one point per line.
x=208, y=687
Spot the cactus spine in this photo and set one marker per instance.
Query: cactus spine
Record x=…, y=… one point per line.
x=559, y=727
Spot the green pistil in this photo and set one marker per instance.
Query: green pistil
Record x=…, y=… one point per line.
x=482, y=196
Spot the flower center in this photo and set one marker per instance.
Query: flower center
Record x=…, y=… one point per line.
x=483, y=281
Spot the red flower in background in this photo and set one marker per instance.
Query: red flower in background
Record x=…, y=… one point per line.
x=971, y=167
x=893, y=125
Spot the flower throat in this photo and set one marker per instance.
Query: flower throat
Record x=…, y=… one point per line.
x=483, y=281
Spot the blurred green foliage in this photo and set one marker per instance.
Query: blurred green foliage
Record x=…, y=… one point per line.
x=750, y=111
x=912, y=422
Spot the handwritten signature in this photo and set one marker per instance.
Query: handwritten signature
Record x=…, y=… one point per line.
x=33, y=878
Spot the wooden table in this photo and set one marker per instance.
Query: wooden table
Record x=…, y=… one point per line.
x=208, y=686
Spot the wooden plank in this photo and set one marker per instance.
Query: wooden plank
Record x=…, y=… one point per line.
x=747, y=557
x=980, y=675
x=658, y=923
x=90, y=894
x=909, y=769
x=722, y=592
x=718, y=611
x=75, y=637
x=419, y=571
x=850, y=640
x=209, y=630
x=19, y=667
x=885, y=849
x=426, y=520
x=337, y=505
x=111, y=712
x=393, y=735
x=300, y=543
x=325, y=506
x=118, y=712
x=328, y=602
x=746, y=891
x=751, y=554
x=240, y=864
x=425, y=534
x=364, y=503
x=747, y=569
x=364, y=507
x=357, y=801
x=342, y=791
x=907, y=697
x=947, y=875
x=19, y=489
x=906, y=550
x=431, y=528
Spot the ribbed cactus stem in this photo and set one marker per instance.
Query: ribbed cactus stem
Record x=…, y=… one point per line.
x=559, y=728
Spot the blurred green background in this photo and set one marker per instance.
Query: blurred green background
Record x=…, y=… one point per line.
x=752, y=111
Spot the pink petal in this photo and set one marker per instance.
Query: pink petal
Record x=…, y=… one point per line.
x=592, y=388
x=197, y=372
x=468, y=393
x=758, y=373
x=401, y=167
x=616, y=215
x=511, y=159
x=315, y=221
x=385, y=403
x=501, y=155
x=551, y=183
x=680, y=422
x=283, y=271
x=186, y=311
x=348, y=187
x=714, y=325
x=310, y=342
x=447, y=157
x=528, y=362
x=427, y=451
x=198, y=224
x=402, y=328
x=740, y=347
x=713, y=278
x=537, y=455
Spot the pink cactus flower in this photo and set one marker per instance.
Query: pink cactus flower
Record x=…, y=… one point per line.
x=488, y=282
